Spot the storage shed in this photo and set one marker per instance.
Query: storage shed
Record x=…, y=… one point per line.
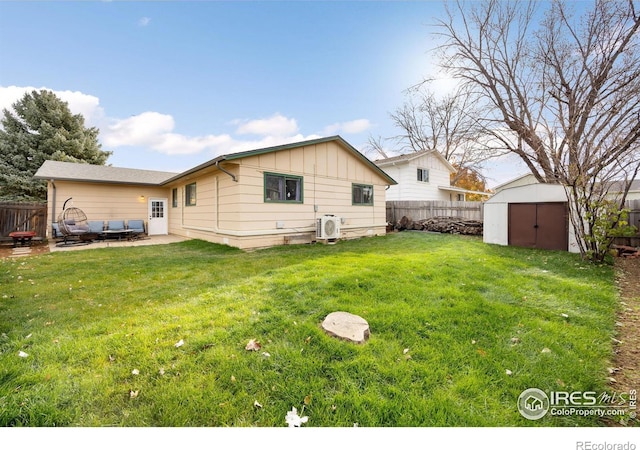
x=533, y=215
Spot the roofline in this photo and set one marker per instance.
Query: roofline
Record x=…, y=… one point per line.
x=412, y=156
x=99, y=180
x=261, y=151
x=466, y=191
x=514, y=179
x=91, y=180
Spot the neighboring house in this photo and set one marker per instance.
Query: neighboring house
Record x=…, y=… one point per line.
x=251, y=199
x=423, y=175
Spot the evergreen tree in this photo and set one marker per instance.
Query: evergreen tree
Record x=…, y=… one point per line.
x=41, y=127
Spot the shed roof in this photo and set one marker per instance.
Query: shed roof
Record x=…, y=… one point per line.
x=59, y=170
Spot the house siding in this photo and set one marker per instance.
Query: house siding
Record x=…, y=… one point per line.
x=235, y=213
x=102, y=201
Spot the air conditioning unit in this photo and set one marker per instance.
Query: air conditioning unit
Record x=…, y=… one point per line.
x=328, y=227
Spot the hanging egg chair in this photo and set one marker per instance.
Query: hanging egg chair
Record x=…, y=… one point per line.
x=72, y=222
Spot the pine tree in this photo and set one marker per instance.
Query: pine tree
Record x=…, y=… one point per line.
x=41, y=127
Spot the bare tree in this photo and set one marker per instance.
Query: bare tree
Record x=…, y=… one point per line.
x=561, y=92
x=446, y=123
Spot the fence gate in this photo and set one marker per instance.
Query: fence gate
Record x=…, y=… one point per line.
x=539, y=225
x=23, y=217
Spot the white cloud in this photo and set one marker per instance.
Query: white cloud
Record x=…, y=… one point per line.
x=276, y=125
x=144, y=21
x=79, y=103
x=351, y=127
x=155, y=131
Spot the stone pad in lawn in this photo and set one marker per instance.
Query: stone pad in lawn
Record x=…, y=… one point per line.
x=347, y=326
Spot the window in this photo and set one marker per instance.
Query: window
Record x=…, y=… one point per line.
x=174, y=197
x=282, y=188
x=423, y=175
x=362, y=194
x=190, y=194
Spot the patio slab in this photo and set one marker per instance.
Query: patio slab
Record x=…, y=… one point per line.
x=111, y=243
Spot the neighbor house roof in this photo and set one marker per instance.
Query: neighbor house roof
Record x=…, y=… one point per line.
x=401, y=159
x=261, y=151
x=58, y=170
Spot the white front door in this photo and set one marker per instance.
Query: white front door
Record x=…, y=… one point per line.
x=158, y=220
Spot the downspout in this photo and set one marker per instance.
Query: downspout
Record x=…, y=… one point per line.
x=226, y=171
x=53, y=200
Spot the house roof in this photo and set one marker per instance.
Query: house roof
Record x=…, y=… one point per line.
x=400, y=159
x=261, y=151
x=59, y=170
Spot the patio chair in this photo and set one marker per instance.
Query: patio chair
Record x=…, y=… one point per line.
x=97, y=227
x=136, y=227
x=115, y=225
x=56, y=234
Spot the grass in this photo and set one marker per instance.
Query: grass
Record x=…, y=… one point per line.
x=467, y=312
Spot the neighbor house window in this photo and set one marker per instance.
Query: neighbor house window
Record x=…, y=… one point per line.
x=174, y=197
x=362, y=194
x=190, y=194
x=282, y=188
x=423, y=175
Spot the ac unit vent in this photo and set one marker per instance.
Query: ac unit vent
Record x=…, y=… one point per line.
x=328, y=227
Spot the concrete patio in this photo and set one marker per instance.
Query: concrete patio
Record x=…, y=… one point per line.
x=111, y=243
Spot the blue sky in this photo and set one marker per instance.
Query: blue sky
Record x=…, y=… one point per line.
x=173, y=84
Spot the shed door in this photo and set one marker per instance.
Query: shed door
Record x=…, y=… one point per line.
x=539, y=225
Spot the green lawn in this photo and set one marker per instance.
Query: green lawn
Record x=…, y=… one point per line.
x=467, y=313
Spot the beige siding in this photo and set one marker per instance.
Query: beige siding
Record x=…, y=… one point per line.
x=103, y=201
x=236, y=213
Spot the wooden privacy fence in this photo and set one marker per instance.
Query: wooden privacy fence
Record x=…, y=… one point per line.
x=418, y=210
x=23, y=217
x=634, y=219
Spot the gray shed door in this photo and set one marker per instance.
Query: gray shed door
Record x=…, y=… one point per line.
x=539, y=225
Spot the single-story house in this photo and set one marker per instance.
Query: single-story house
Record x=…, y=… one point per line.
x=422, y=176
x=250, y=199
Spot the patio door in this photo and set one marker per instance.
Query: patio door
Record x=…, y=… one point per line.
x=158, y=220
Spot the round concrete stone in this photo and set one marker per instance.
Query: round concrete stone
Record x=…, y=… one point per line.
x=347, y=326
